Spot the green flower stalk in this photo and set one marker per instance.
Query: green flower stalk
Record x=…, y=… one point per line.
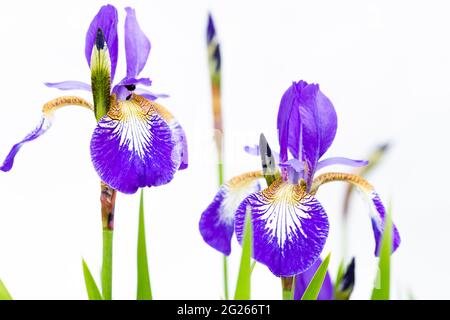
x=214, y=63
x=101, y=88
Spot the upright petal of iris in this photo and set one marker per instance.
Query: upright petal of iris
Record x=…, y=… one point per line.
x=137, y=45
x=137, y=49
x=307, y=124
x=136, y=145
x=290, y=227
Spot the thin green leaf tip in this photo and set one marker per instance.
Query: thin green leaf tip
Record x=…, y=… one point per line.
x=4, y=293
x=313, y=289
x=144, y=291
x=91, y=287
x=245, y=269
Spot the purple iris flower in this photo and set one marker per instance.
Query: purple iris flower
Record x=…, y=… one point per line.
x=290, y=226
x=137, y=50
x=138, y=142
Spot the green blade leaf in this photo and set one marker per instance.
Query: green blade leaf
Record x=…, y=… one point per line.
x=313, y=289
x=144, y=291
x=245, y=269
x=382, y=283
x=91, y=286
x=4, y=293
x=339, y=276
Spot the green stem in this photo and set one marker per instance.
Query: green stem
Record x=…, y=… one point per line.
x=225, y=258
x=220, y=173
x=108, y=201
x=287, y=284
x=225, y=276
x=107, y=264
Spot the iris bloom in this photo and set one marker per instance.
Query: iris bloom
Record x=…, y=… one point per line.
x=290, y=226
x=137, y=142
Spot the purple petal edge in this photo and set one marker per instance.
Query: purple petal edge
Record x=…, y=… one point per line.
x=69, y=85
x=40, y=129
x=341, y=161
x=137, y=45
x=378, y=220
x=214, y=231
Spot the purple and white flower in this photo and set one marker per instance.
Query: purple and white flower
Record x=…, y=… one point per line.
x=138, y=142
x=290, y=226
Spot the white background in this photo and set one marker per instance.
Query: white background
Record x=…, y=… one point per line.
x=384, y=64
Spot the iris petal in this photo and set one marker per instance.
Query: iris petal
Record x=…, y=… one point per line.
x=290, y=228
x=179, y=136
x=127, y=81
x=134, y=146
x=303, y=279
x=137, y=45
x=252, y=150
x=44, y=125
x=149, y=94
x=69, y=85
x=40, y=129
x=106, y=20
x=217, y=221
x=377, y=209
x=307, y=124
x=211, y=30
x=181, y=142
x=377, y=217
x=341, y=161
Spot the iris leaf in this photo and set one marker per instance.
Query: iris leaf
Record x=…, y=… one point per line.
x=313, y=289
x=381, y=289
x=91, y=286
x=245, y=269
x=4, y=293
x=339, y=276
x=144, y=291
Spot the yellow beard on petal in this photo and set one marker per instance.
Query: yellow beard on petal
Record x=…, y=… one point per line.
x=281, y=191
x=64, y=101
x=237, y=189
